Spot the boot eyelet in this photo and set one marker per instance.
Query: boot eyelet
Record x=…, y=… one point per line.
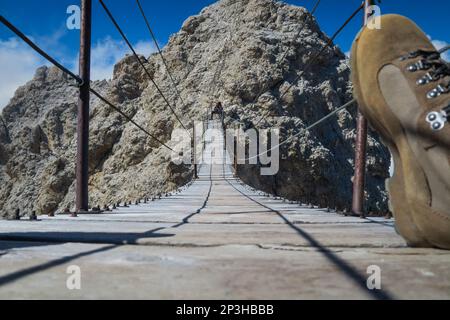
x=437, y=120
x=419, y=65
x=412, y=68
x=432, y=94
x=422, y=81
x=436, y=92
x=432, y=117
x=437, y=126
x=425, y=79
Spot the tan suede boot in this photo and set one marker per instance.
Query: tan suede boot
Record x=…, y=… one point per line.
x=403, y=88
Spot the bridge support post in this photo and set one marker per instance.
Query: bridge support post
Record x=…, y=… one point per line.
x=235, y=153
x=235, y=158
x=82, y=166
x=205, y=128
x=225, y=138
x=359, y=179
x=194, y=150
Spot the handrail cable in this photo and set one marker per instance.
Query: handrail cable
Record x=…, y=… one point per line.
x=314, y=59
x=315, y=124
x=160, y=51
x=21, y=35
x=128, y=118
x=79, y=81
x=141, y=63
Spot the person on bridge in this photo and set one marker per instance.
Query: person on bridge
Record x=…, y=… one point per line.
x=402, y=85
x=218, y=110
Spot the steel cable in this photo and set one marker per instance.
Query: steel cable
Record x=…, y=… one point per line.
x=160, y=52
x=22, y=36
x=313, y=60
x=128, y=117
x=108, y=12
x=315, y=124
x=75, y=77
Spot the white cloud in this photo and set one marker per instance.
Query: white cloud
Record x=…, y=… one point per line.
x=104, y=55
x=145, y=48
x=107, y=52
x=18, y=64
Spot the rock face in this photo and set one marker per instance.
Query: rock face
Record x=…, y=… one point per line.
x=230, y=52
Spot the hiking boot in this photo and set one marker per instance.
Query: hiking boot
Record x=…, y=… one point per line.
x=403, y=88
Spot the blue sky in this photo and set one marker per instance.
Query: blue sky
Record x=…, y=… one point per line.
x=45, y=22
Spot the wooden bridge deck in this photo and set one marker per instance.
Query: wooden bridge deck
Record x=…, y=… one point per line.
x=217, y=239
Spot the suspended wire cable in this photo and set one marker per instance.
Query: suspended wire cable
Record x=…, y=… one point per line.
x=315, y=124
x=160, y=52
x=74, y=76
x=314, y=59
x=22, y=36
x=108, y=12
x=128, y=118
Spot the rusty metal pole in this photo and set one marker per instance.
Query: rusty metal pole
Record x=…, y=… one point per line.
x=224, y=137
x=194, y=150
x=361, y=147
x=236, y=145
x=235, y=157
x=82, y=169
x=223, y=119
x=205, y=128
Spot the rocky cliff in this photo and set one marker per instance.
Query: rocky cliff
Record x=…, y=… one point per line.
x=230, y=52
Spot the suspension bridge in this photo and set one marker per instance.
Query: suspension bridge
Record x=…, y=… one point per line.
x=215, y=238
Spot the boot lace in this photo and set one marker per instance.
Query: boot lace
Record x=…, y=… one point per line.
x=437, y=71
